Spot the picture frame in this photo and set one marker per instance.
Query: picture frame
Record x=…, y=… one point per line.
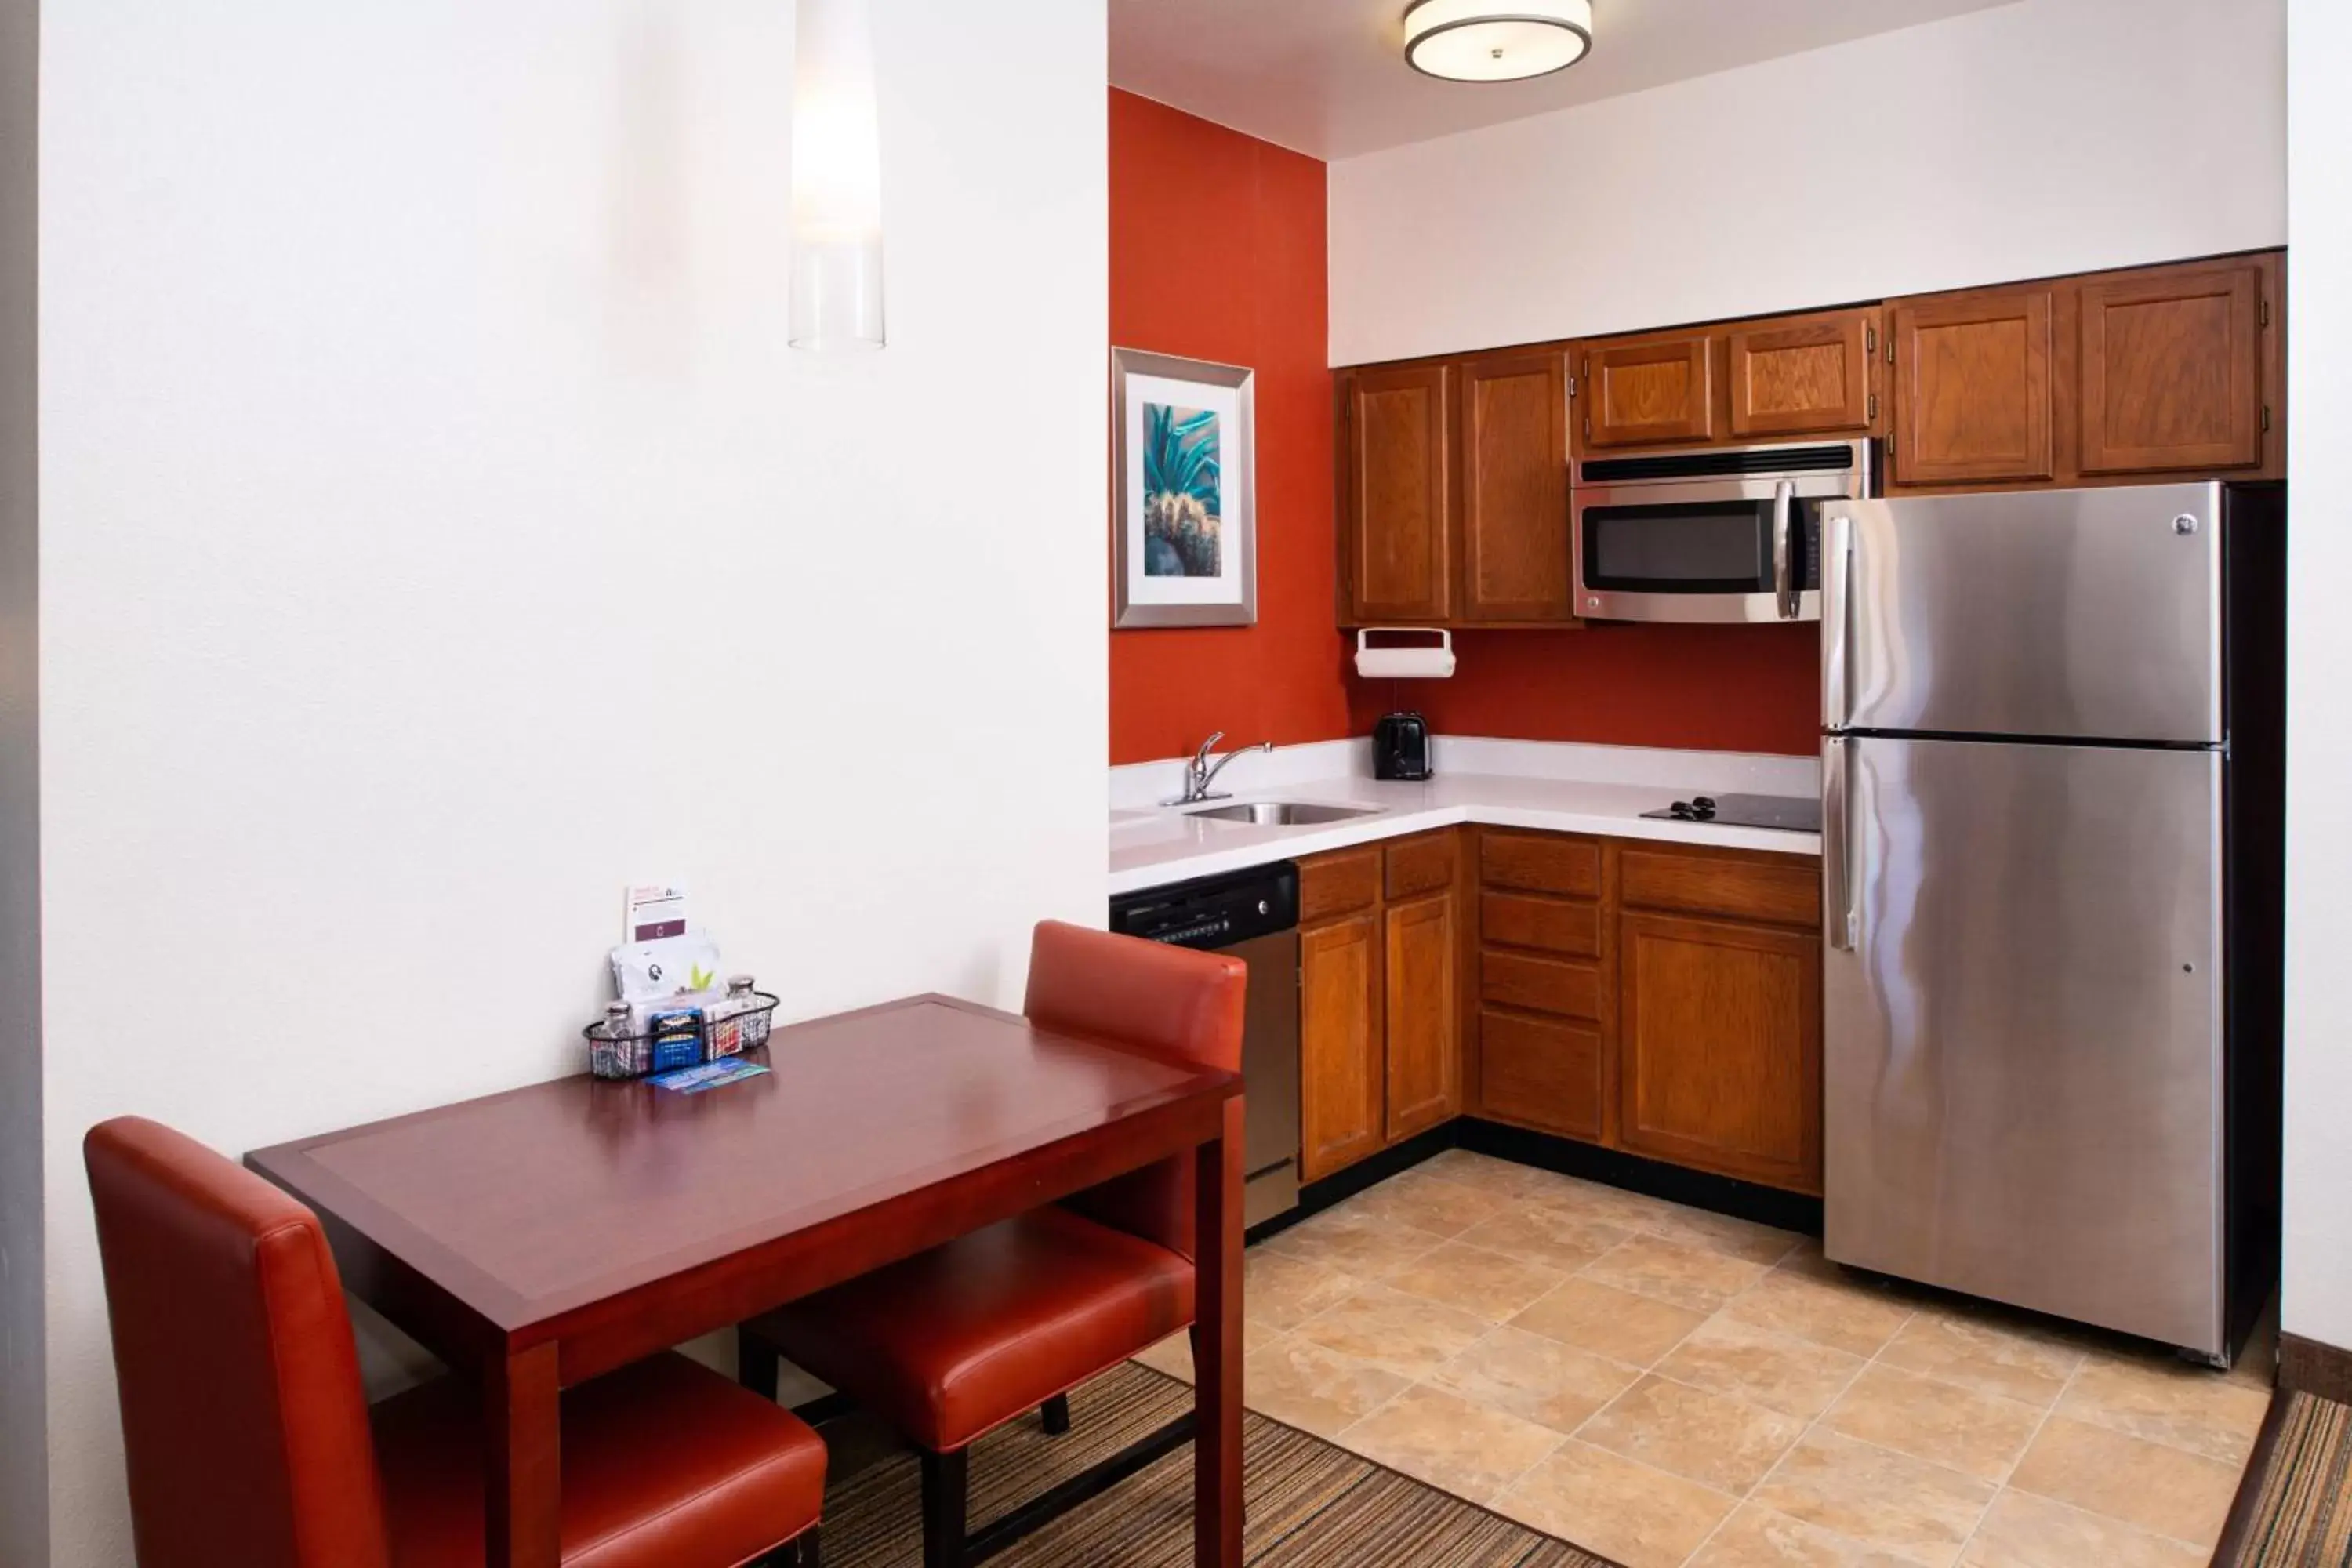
x=1183, y=492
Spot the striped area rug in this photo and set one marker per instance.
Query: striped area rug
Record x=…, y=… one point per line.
x=1309, y=1505
x=2299, y=1513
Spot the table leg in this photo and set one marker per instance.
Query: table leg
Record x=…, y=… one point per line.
x=1217, y=1349
x=521, y=1429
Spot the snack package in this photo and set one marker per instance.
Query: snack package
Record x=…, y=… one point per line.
x=647, y=1015
x=649, y=971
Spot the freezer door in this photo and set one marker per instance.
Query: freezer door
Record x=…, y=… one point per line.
x=2063, y=614
x=2022, y=1016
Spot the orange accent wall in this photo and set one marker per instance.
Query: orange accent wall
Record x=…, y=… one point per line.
x=1217, y=253
x=1720, y=689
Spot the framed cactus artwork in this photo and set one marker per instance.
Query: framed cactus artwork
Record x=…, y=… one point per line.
x=1184, y=507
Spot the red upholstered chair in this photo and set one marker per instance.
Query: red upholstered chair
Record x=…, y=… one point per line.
x=953, y=1342
x=250, y=1440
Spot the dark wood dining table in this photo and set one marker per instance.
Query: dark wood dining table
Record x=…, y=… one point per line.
x=537, y=1238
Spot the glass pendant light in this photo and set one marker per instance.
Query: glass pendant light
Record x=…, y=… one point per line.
x=837, y=285
x=1495, y=40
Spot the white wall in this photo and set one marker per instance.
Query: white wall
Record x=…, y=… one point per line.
x=437, y=532
x=23, y=1482
x=2048, y=136
x=2317, y=1302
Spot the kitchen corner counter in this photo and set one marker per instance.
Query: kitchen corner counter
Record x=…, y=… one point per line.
x=1151, y=847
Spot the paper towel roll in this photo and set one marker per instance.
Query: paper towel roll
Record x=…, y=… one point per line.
x=1416, y=663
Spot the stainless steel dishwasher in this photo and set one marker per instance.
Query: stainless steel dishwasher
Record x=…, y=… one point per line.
x=1250, y=915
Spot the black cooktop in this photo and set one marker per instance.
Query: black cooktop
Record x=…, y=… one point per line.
x=1791, y=814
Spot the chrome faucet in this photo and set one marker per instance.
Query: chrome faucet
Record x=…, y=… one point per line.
x=1201, y=772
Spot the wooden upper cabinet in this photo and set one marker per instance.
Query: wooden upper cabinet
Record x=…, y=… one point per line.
x=1974, y=383
x=2172, y=370
x=1455, y=471
x=1421, y=966
x=1399, y=475
x=1807, y=375
x=1649, y=391
x=1720, y=1047
x=1515, y=550
x=1341, y=1095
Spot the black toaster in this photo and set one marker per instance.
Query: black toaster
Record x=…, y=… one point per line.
x=1401, y=747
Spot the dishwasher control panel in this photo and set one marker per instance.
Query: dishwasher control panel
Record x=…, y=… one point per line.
x=1212, y=911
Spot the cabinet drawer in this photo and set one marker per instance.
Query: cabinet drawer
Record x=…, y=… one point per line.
x=1542, y=984
x=1555, y=925
x=1545, y=1072
x=1338, y=884
x=1777, y=889
x=1540, y=863
x=1420, y=865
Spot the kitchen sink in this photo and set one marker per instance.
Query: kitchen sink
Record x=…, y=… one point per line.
x=1284, y=813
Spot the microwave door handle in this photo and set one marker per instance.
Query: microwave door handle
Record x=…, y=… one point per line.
x=1784, y=498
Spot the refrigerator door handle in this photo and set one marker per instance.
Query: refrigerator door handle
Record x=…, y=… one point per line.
x=1837, y=844
x=1784, y=500
x=1837, y=615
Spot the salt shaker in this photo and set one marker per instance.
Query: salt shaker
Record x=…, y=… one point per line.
x=615, y=1046
x=754, y=1015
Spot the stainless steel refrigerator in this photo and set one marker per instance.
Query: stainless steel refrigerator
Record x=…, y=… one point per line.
x=2051, y=803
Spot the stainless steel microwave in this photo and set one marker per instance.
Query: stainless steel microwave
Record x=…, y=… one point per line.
x=1732, y=534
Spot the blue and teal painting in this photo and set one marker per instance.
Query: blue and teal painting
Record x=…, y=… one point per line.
x=1181, y=529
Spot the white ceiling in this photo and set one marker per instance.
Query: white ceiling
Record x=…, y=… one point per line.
x=1328, y=77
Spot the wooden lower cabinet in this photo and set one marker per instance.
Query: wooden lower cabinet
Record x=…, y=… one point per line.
x=1542, y=1072
x=1539, y=985
x=1719, y=1047
x=1381, y=998
x=1425, y=1015
x=1663, y=999
x=1543, y=991
x=1342, y=1079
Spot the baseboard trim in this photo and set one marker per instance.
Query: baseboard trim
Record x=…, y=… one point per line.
x=2308, y=1367
x=1675, y=1184
x=1545, y=1151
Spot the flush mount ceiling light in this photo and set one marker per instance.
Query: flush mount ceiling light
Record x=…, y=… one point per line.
x=1495, y=40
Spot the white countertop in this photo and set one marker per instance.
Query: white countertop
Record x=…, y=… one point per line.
x=1152, y=847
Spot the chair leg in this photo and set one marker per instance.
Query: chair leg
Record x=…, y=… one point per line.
x=946, y=1483
x=1057, y=1412
x=756, y=1363
x=800, y=1551
x=812, y=1548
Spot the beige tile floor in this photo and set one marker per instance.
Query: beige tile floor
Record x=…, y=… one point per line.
x=1667, y=1386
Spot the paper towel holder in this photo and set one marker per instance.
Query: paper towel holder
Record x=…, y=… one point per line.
x=1414, y=663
